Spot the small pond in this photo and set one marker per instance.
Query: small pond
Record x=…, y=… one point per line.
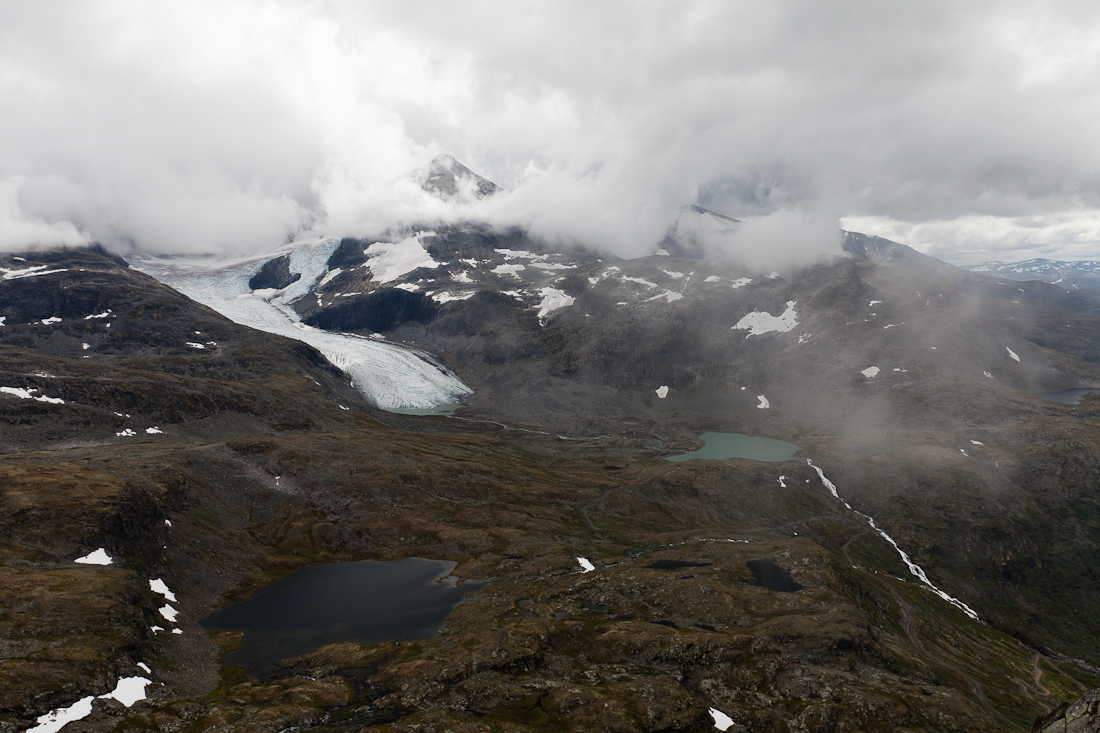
x=719, y=446
x=769, y=575
x=365, y=601
x=1068, y=396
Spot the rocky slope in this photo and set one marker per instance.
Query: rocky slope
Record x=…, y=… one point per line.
x=258, y=470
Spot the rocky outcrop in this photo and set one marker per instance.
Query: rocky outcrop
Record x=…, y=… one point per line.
x=1082, y=716
x=274, y=274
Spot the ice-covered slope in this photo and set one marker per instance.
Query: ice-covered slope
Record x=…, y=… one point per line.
x=388, y=375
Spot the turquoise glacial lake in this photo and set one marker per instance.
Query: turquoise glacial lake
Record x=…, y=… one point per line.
x=719, y=446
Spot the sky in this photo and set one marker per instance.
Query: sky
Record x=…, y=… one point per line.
x=970, y=131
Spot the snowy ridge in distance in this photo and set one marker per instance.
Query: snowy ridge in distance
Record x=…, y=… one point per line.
x=389, y=375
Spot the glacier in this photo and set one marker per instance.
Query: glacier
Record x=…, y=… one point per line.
x=388, y=375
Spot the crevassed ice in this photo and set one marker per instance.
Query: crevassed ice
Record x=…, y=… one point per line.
x=388, y=375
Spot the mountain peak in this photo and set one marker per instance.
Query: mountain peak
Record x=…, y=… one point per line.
x=448, y=179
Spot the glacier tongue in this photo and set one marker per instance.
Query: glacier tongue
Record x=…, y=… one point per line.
x=389, y=375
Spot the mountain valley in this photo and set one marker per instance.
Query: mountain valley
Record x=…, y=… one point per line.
x=141, y=419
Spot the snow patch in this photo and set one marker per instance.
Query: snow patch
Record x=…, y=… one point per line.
x=870, y=372
x=758, y=323
x=154, y=431
x=445, y=297
x=712, y=279
x=25, y=394
x=55, y=720
x=553, y=299
x=673, y=275
x=104, y=314
x=873, y=303
x=741, y=282
x=329, y=277
x=512, y=270
x=50, y=321
x=721, y=720
x=662, y=391
x=390, y=260
x=552, y=266
x=128, y=690
x=410, y=287
x=586, y=565
x=668, y=295
x=99, y=557
x=27, y=272
x=1012, y=354
x=662, y=253
x=127, y=433
x=461, y=277
x=194, y=345
x=764, y=404
x=158, y=586
x=168, y=612
x=640, y=281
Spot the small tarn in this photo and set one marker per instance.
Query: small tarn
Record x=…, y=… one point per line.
x=769, y=575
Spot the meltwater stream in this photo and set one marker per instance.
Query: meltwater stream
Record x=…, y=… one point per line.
x=388, y=375
x=913, y=567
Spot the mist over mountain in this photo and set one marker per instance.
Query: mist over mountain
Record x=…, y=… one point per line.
x=228, y=128
x=490, y=368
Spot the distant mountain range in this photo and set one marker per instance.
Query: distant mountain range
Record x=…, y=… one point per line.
x=1081, y=275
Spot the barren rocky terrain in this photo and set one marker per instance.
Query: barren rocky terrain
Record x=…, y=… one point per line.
x=219, y=469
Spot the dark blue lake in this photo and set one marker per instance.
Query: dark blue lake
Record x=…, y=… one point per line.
x=1067, y=396
x=366, y=601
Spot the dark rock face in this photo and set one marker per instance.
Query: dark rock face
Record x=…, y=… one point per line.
x=1082, y=716
x=349, y=254
x=380, y=311
x=274, y=274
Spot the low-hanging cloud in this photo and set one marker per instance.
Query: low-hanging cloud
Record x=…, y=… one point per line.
x=232, y=126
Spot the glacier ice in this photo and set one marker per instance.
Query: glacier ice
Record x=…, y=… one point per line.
x=389, y=375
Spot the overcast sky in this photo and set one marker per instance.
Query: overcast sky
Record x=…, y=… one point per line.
x=968, y=130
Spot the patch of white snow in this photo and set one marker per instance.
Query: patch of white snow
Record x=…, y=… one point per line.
x=154, y=431
x=721, y=720
x=512, y=270
x=758, y=323
x=640, y=281
x=870, y=372
x=1012, y=354
x=51, y=320
x=662, y=391
x=99, y=557
x=764, y=404
x=552, y=299
x=586, y=565
x=158, y=586
x=128, y=690
x=712, y=279
x=55, y=720
x=390, y=260
x=168, y=612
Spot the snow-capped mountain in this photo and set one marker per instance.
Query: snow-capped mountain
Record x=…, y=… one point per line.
x=1078, y=275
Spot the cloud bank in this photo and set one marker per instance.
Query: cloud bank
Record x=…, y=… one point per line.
x=963, y=129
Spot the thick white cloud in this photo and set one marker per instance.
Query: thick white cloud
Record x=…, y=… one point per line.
x=231, y=125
